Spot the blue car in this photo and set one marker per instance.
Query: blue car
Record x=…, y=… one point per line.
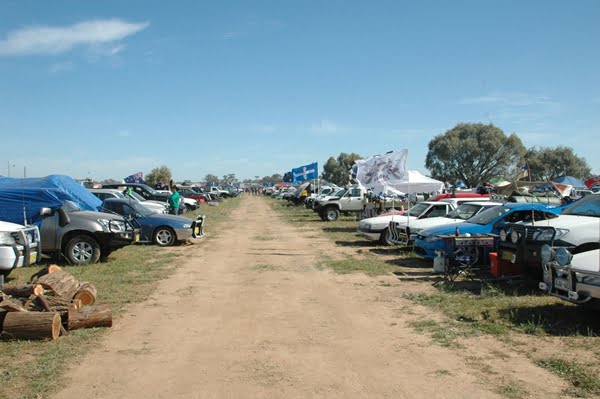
x=491, y=221
x=158, y=228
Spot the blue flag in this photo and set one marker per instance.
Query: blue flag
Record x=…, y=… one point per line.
x=306, y=172
x=135, y=178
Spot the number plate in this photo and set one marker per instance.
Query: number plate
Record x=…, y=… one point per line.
x=562, y=284
x=136, y=237
x=32, y=257
x=197, y=230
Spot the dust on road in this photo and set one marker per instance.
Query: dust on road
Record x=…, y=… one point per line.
x=248, y=315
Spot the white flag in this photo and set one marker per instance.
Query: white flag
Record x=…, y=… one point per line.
x=383, y=172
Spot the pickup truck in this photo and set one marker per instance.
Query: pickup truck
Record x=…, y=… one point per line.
x=576, y=229
x=19, y=246
x=352, y=199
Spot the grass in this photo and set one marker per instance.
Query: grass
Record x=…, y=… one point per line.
x=443, y=333
x=32, y=369
x=371, y=266
x=583, y=379
x=512, y=390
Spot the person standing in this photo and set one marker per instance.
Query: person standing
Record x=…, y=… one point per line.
x=174, y=200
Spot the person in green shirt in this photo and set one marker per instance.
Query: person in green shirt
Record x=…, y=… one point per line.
x=174, y=201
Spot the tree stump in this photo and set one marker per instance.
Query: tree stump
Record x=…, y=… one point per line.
x=90, y=316
x=31, y=325
x=44, y=271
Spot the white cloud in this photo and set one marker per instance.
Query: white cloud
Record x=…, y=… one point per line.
x=509, y=99
x=324, y=126
x=57, y=40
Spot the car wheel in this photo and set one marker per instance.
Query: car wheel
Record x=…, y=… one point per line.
x=164, y=236
x=385, y=237
x=189, y=208
x=5, y=273
x=82, y=250
x=331, y=214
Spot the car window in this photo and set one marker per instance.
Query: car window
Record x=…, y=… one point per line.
x=488, y=216
x=417, y=210
x=355, y=192
x=437, y=210
x=464, y=212
x=116, y=207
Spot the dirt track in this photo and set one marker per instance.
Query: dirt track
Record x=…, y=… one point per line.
x=247, y=315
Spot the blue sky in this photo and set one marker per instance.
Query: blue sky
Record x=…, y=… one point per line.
x=108, y=88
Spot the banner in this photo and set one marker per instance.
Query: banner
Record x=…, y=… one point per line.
x=382, y=172
x=306, y=172
x=523, y=171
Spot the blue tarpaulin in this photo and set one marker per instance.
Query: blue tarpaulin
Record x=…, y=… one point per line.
x=22, y=199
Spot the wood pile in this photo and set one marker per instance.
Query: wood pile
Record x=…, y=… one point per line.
x=50, y=305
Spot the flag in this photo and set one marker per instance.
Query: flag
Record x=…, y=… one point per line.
x=592, y=181
x=288, y=177
x=523, y=171
x=563, y=189
x=135, y=178
x=381, y=172
x=306, y=172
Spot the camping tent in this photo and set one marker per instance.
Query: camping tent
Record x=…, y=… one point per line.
x=571, y=181
x=413, y=182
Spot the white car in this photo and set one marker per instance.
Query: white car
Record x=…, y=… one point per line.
x=574, y=278
x=19, y=246
x=154, y=206
x=377, y=228
x=402, y=231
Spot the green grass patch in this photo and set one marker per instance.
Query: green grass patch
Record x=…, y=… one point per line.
x=263, y=267
x=584, y=380
x=371, y=266
x=512, y=390
x=443, y=334
x=263, y=238
x=32, y=369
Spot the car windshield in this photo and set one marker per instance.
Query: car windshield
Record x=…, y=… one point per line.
x=141, y=209
x=464, y=212
x=587, y=206
x=341, y=193
x=488, y=216
x=135, y=196
x=149, y=189
x=417, y=210
x=70, y=206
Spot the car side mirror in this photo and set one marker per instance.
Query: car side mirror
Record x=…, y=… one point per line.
x=45, y=212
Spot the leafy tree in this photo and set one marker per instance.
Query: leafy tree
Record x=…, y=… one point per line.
x=337, y=171
x=547, y=164
x=158, y=175
x=473, y=153
x=230, y=178
x=211, y=178
x=275, y=178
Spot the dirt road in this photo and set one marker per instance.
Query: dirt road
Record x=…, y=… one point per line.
x=248, y=315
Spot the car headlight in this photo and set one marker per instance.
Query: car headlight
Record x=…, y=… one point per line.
x=560, y=233
x=543, y=235
x=514, y=236
x=187, y=226
x=6, y=238
x=117, y=226
x=546, y=253
x=105, y=224
x=563, y=256
x=503, y=235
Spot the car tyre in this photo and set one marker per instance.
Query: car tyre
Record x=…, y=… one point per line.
x=82, y=250
x=164, y=236
x=385, y=237
x=331, y=214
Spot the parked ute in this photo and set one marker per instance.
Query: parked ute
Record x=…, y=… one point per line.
x=351, y=199
x=405, y=232
x=577, y=229
x=572, y=277
x=83, y=237
x=19, y=246
x=160, y=229
x=430, y=242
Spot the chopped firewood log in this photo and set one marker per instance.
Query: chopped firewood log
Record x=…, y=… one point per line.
x=46, y=307
x=23, y=290
x=48, y=269
x=12, y=305
x=30, y=325
x=87, y=293
x=90, y=316
x=60, y=283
